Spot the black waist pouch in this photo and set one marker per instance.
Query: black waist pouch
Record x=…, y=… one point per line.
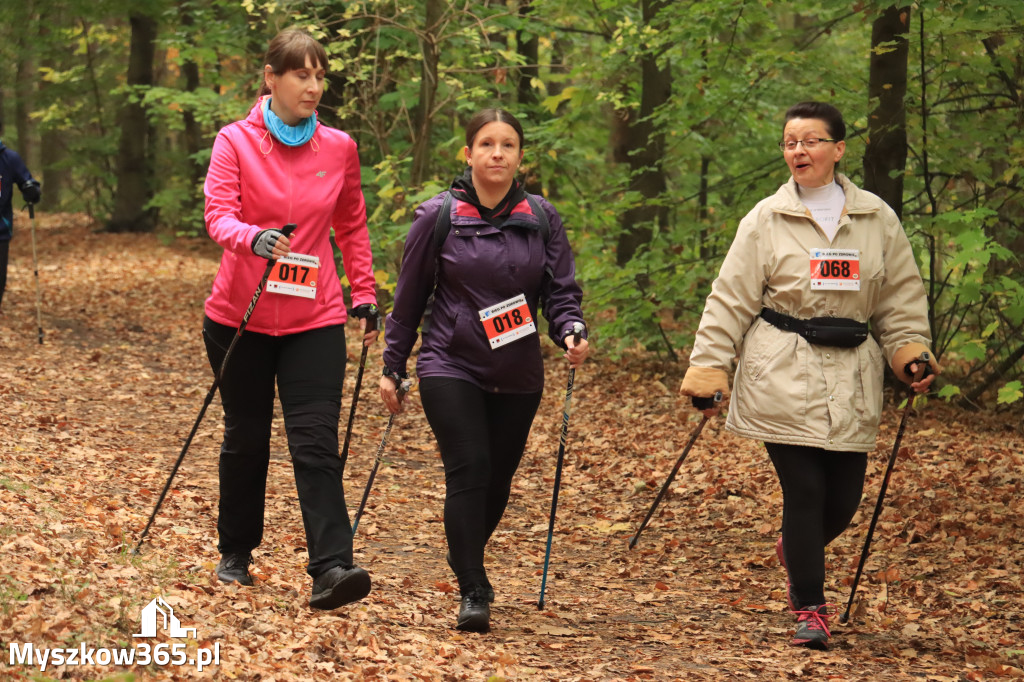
x=840, y=332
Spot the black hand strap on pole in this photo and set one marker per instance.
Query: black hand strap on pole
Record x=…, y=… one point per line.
x=700, y=404
x=576, y=335
x=922, y=371
x=287, y=229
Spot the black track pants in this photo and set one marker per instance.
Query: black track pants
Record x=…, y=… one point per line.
x=821, y=491
x=481, y=436
x=309, y=369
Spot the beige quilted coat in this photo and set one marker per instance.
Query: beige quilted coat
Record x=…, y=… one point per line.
x=785, y=389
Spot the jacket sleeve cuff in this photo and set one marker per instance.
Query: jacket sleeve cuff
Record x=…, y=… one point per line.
x=704, y=382
x=909, y=353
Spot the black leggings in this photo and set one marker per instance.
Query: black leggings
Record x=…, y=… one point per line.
x=308, y=368
x=821, y=490
x=482, y=436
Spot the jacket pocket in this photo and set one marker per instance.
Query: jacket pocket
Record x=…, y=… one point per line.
x=774, y=374
x=871, y=366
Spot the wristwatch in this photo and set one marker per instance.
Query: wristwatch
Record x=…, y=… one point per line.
x=397, y=377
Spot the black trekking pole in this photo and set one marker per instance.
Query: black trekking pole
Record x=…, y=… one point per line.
x=287, y=230
x=700, y=404
x=371, y=325
x=922, y=372
x=35, y=268
x=403, y=388
x=577, y=330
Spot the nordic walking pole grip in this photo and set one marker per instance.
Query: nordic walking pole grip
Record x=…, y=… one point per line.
x=923, y=369
x=577, y=332
x=287, y=230
x=403, y=388
x=700, y=404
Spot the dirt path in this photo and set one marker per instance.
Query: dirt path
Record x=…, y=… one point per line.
x=96, y=415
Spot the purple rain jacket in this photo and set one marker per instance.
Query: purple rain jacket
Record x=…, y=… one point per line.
x=478, y=266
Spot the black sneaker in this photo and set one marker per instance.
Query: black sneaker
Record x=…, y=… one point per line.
x=812, y=627
x=475, y=611
x=339, y=586
x=488, y=590
x=234, y=568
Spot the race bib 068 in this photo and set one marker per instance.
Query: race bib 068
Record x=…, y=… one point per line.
x=835, y=269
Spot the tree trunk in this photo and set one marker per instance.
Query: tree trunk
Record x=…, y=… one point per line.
x=193, y=131
x=886, y=155
x=645, y=145
x=53, y=145
x=25, y=79
x=424, y=115
x=134, y=173
x=528, y=46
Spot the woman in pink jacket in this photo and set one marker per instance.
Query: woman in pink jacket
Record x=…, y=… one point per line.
x=280, y=166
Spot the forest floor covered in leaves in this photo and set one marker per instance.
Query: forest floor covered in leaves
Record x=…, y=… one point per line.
x=95, y=417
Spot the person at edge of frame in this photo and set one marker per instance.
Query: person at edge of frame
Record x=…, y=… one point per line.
x=810, y=268
x=278, y=166
x=13, y=171
x=481, y=381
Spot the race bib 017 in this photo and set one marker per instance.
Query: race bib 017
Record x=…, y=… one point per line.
x=295, y=275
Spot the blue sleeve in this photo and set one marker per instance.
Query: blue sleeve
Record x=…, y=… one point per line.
x=18, y=168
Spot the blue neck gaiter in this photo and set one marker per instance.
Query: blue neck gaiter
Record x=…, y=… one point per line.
x=293, y=136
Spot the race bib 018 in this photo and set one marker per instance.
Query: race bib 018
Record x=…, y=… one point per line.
x=507, y=321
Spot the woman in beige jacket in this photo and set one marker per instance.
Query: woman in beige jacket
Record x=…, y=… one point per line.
x=818, y=290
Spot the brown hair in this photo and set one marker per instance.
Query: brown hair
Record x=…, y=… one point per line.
x=485, y=116
x=832, y=117
x=288, y=51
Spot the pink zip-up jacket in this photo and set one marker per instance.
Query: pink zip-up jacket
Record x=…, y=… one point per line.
x=255, y=182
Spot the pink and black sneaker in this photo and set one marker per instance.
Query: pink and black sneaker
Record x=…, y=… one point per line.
x=812, y=627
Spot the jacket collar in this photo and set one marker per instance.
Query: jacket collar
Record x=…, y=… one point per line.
x=787, y=200
x=255, y=116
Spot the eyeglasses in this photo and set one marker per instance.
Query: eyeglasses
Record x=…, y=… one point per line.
x=808, y=143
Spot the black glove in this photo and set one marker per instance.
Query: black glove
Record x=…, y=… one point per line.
x=264, y=241
x=31, y=192
x=924, y=365
x=706, y=403
x=368, y=312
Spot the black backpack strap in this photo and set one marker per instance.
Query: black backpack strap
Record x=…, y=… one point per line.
x=443, y=224
x=542, y=216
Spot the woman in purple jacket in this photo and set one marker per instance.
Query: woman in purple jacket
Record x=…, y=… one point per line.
x=480, y=367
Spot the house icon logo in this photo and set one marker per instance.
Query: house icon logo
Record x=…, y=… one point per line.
x=158, y=611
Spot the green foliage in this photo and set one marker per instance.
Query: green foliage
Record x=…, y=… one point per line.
x=1010, y=392
x=735, y=66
